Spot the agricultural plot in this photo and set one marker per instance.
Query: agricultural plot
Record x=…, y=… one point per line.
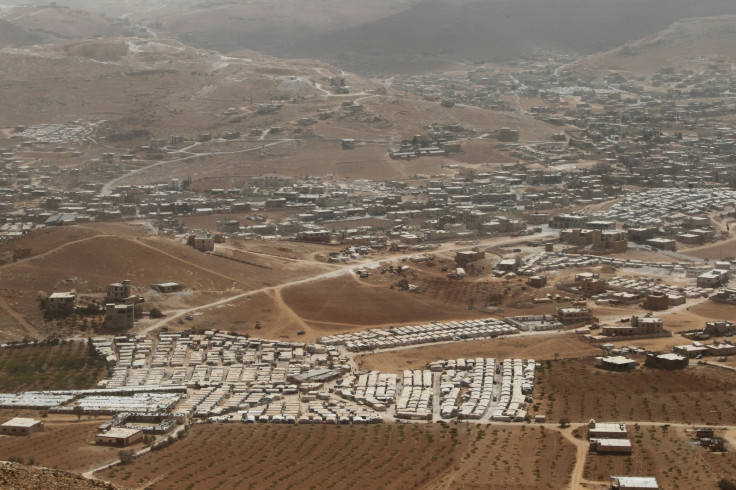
x=369, y=456
x=575, y=389
x=65, y=445
x=45, y=367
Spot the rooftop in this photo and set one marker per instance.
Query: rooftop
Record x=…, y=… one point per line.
x=21, y=422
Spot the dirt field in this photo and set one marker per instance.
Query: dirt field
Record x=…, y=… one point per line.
x=574, y=388
x=68, y=445
x=666, y=453
x=717, y=251
x=525, y=347
x=383, y=456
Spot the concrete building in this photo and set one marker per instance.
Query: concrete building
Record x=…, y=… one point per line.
x=576, y=236
x=721, y=349
x=723, y=327
x=592, y=285
x=662, y=243
x=118, y=292
x=569, y=221
x=508, y=265
x=20, y=426
x=656, y=301
x=465, y=257
x=639, y=327
x=603, y=430
x=62, y=302
x=574, y=315
x=166, y=287
x=690, y=350
x=119, y=436
x=615, y=446
x=613, y=240
x=533, y=322
x=537, y=281
x=713, y=278
x=615, y=363
x=119, y=316
x=666, y=361
x=315, y=236
x=203, y=243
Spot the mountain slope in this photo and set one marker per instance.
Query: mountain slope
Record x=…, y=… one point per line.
x=496, y=31
x=684, y=44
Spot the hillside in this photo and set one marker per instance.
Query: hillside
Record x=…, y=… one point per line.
x=689, y=43
x=108, y=255
x=13, y=35
x=65, y=23
x=496, y=31
x=21, y=477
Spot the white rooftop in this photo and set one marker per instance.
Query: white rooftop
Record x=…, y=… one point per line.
x=21, y=422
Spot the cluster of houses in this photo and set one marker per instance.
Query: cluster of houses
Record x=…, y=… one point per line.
x=120, y=305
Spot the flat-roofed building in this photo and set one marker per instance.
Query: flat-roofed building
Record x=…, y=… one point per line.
x=569, y=221
x=119, y=292
x=690, y=350
x=203, y=243
x=119, y=317
x=713, y=278
x=62, y=302
x=21, y=426
x=119, y=436
x=618, y=446
x=666, y=361
x=615, y=240
x=574, y=315
x=615, y=363
x=465, y=257
x=166, y=287
x=576, y=236
x=639, y=326
x=662, y=243
x=721, y=349
x=634, y=483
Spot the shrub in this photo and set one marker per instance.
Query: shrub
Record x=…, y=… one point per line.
x=126, y=456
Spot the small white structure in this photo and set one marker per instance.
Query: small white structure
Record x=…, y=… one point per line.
x=633, y=483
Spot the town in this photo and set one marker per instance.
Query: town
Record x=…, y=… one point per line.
x=515, y=274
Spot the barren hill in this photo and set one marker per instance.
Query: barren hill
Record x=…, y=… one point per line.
x=687, y=43
x=65, y=23
x=496, y=31
x=13, y=35
x=21, y=477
